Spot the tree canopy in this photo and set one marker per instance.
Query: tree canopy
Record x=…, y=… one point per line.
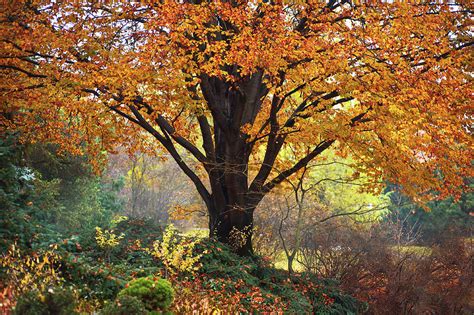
x=236, y=83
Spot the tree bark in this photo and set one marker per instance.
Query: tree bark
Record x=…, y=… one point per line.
x=230, y=207
x=233, y=225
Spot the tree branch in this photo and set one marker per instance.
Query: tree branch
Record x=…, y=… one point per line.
x=161, y=121
x=208, y=145
x=28, y=73
x=168, y=144
x=321, y=147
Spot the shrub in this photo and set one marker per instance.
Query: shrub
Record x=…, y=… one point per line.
x=29, y=303
x=125, y=305
x=22, y=271
x=153, y=292
x=55, y=300
x=94, y=280
x=176, y=252
x=218, y=261
x=107, y=240
x=253, y=285
x=385, y=269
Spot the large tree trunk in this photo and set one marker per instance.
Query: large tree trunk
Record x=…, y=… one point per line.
x=230, y=208
x=232, y=225
x=231, y=203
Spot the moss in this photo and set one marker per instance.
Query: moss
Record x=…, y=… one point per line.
x=124, y=305
x=154, y=293
x=55, y=300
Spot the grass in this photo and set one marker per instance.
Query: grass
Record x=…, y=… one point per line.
x=197, y=232
x=413, y=249
x=281, y=262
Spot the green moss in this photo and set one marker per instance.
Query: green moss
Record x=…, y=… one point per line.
x=55, y=300
x=154, y=293
x=124, y=305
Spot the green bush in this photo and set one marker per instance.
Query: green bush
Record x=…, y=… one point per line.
x=155, y=293
x=29, y=303
x=124, y=305
x=25, y=199
x=55, y=300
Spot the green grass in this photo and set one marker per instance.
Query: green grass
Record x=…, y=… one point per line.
x=197, y=232
x=281, y=262
x=413, y=249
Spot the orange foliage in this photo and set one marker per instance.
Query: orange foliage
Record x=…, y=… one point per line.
x=389, y=83
x=194, y=297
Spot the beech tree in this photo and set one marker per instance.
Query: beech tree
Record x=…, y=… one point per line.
x=237, y=85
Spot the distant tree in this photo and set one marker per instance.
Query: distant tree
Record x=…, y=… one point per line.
x=442, y=215
x=25, y=199
x=85, y=199
x=318, y=193
x=152, y=186
x=237, y=83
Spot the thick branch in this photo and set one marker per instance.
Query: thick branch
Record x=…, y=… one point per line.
x=216, y=112
x=299, y=165
x=161, y=121
x=208, y=145
x=28, y=73
x=168, y=144
x=274, y=144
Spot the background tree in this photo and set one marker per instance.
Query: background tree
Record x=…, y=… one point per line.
x=303, y=205
x=236, y=83
x=445, y=217
x=153, y=185
x=44, y=196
